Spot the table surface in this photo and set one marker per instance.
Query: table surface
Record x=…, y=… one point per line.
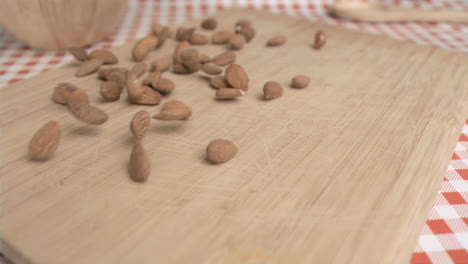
x=444, y=238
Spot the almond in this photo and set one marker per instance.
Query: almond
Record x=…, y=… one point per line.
x=205, y=58
x=300, y=81
x=211, y=68
x=164, y=86
x=140, y=123
x=198, y=39
x=103, y=73
x=139, y=166
x=88, y=67
x=162, y=64
x=148, y=96
x=209, y=23
x=110, y=91
x=276, y=41
x=246, y=30
x=118, y=76
x=220, y=151
x=174, y=110
x=225, y=58
x=45, y=141
x=157, y=28
x=180, y=69
x=272, y=90
x=237, y=77
x=320, y=40
x=134, y=89
x=66, y=92
x=88, y=113
x=178, y=51
x=139, y=68
x=237, y=42
x=243, y=22
x=163, y=36
x=106, y=56
x=143, y=47
x=79, y=53
x=184, y=34
x=219, y=82
x=228, y=93
x=151, y=78
x=191, y=59
x=221, y=37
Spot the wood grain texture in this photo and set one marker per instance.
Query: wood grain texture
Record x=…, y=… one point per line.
x=343, y=171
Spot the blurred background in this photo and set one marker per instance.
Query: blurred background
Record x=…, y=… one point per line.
x=17, y=61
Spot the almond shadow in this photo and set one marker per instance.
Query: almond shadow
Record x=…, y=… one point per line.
x=85, y=130
x=167, y=127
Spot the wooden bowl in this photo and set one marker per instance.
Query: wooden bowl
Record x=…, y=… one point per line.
x=60, y=24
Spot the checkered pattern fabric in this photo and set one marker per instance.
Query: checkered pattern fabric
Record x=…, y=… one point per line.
x=444, y=238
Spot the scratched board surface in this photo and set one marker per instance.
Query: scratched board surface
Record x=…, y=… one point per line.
x=343, y=171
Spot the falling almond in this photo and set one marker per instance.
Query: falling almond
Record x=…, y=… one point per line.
x=184, y=34
x=221, y=37
x=225, y=58
x=143, y=47
x=237, y=77
x=276, y=41
x=67, y=92
x=110, y=91
x=134, y=89
x=228, y=93
x=300, y=81
x=139, y=68
x=272, y=90
x=320, y=40
x=247, y=30
x=237, y=41
x=139, y=166
x=220, y=151
x=198, y=39
x=163, y=36
x=174, y=110
x=178, y=51
x=180, y=68
x=162, y=64
x=164, y=86
x=209, y=24
x=45, y=141
x=88, y=113
x=151, y=78
x=106, y=56
x=79, y=53
x=211, y=68
x=219, y=82
x=157, y=28
x=148, y=96
x=243, y=22
x=88, y=67
x=191, y=59
x=140, y=123
x=205, y=58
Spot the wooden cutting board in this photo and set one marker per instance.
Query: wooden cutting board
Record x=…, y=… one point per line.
x=343, y=171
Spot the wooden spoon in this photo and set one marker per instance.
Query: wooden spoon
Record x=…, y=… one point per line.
x=371, y=12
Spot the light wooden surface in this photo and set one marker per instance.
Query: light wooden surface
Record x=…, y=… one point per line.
x=377, y=12
x=343, y=171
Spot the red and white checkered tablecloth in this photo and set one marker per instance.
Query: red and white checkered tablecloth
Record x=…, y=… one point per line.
x=444, y=238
